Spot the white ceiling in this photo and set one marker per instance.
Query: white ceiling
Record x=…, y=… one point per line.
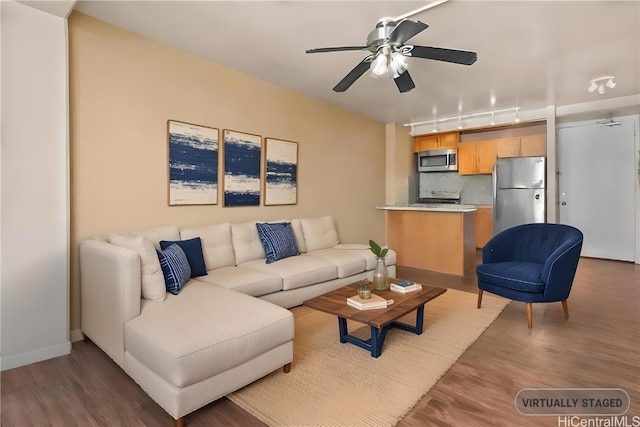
x=531, y=54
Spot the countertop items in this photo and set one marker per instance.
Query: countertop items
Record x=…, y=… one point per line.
x=431, y=207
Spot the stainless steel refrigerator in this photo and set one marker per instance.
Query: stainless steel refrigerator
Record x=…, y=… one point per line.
x=519, y=192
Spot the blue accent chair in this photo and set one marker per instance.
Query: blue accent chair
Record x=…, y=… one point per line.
x=531, y=263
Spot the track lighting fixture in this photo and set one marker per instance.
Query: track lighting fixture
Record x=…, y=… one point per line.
x=492, y=114
x=601, y=83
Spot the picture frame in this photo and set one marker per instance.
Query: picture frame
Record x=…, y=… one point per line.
x=281, y=172
x=193, y=156
x=242, y=168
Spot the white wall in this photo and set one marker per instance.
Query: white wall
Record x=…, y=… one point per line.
x=34, y=207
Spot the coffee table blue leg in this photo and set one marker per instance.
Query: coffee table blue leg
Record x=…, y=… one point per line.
x=375, y=343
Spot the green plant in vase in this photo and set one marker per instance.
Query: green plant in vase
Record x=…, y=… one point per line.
x=363, y=290
x=380, y=273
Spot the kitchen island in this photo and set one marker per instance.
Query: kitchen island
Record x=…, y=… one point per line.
x=437, y=237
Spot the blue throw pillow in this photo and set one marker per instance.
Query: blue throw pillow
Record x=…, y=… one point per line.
x=175, y=267
x=193, y=249
x=278, y=240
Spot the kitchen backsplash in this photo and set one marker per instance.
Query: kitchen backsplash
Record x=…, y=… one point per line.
x=475, y=189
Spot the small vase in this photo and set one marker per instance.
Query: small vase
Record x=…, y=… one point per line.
x=380, y=276
x=364, y=293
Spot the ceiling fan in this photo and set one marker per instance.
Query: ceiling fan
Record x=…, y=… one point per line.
x=389, y=52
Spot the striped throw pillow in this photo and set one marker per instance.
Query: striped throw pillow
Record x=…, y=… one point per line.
x=175, y=267
x=278, y=240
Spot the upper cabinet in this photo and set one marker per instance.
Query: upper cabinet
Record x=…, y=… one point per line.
x=476, y=157
x=435, y=141
x=522, y=146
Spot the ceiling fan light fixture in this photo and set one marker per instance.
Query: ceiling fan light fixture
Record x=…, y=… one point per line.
x=379, y=64
x=398, y=64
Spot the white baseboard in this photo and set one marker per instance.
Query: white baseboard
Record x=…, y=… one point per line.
x=34, y=356
x=76, y=335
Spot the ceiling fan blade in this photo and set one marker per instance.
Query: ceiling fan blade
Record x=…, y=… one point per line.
x=405, y=30
x=353, y=75
x=404, y=82
x=335, y=49
x=448, y=55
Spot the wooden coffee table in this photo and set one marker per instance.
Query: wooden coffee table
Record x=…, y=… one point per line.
x=380, y=320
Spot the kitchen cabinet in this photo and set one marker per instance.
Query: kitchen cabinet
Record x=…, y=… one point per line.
x=476, y=157
x=533, y=145
x=436, y=141
x=524, y=146
x=484, y=225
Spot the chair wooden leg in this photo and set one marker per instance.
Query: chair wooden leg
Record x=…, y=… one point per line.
x=530, y=315
x=179, y=422
x=479, y=297
x=565, y=307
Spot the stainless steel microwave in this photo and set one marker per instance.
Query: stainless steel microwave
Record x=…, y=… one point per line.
x=438, y=160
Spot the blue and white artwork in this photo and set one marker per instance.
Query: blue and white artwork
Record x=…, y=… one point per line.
x=241, y=168
x=193, y=164
x=281, y=182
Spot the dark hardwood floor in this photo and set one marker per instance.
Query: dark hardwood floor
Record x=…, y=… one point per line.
x=598, y=346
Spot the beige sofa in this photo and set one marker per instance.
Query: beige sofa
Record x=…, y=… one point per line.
x=222, y=330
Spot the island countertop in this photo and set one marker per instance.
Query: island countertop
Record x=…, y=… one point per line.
x=430, y=207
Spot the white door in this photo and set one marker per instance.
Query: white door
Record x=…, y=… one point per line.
x=596, y=183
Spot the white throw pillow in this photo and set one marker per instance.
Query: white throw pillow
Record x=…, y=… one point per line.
x=319, y=233
x=153, y=286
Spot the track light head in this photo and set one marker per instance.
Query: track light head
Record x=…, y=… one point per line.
x=601, y=84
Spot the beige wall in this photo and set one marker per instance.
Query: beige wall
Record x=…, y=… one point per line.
x=124, y=88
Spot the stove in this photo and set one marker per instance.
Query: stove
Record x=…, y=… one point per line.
x=441, y=196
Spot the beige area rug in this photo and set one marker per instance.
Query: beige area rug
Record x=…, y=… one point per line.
x=334, y=384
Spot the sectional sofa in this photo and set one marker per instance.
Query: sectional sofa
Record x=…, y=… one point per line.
x=223, y=323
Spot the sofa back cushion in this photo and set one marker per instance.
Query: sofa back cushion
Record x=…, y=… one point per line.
x=246, y=242
x=296, y=225
x=156, y=234
x=152, y=279
x=319, y=233
x=217, y=246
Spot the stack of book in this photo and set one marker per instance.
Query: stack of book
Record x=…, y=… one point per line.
x=376, y=301
x=405, y=286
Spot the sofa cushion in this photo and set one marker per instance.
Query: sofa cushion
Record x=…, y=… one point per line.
x=175, y=268
x=176, y=339
x=217, y=246
x=246, y=280
x=278, y=240
x=169, y=232
x=193, y=250
x=319, y=233
x=246, y=242
x=153, y=286
x=297, y=231
x=347, y=262
x=297, y=272
x=364, y=251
